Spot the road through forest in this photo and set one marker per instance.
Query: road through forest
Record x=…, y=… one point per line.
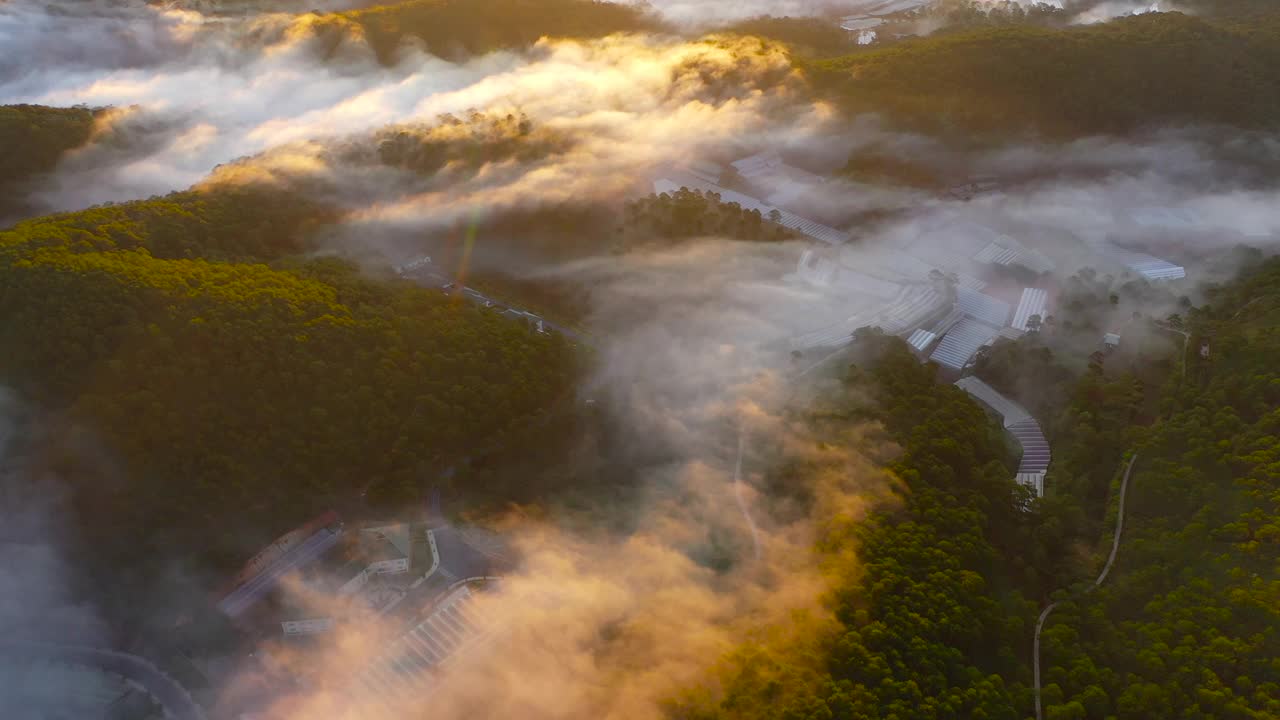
x=1115, y=550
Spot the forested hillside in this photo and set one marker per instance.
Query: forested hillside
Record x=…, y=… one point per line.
x=807, y=36
x=1187, y=626
x=228, y=223
x=938, y=621
x=1093, y=406
x=1154, y=69
x=668, y=218
x=933, y=622
x=459, y=28
x=34, y=138
x=237, y=394
x=465, y=143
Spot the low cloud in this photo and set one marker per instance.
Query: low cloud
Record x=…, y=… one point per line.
x=209, y=91
x=38, y=598
x=606, y=624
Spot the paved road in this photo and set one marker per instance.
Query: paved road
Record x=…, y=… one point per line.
x=428, y=277
x=171, y=696
x=1111, y=560
x=248, y=593
x=1186, y=339
x=457, y=558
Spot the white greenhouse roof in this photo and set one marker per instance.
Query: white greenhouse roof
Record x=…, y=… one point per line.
x=1034, y=302
x=962, y=342
x=921, y=339
x=1149, y=267
x=1020, y=424
x=1034, y=481
x=980, y=306
x=1010, y=412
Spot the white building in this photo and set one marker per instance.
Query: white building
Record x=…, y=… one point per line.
x=414, y=264
x=1149, y=267
x=977, y=320
x=1166, y=218
x=1022, y=426
x=1034, y=303
x=962, y=342
x=311, y=626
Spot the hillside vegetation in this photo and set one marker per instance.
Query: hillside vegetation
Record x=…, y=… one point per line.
x=34, y=138
x=937, y=622
x=807, y=36
x=459, y=28
x=933, y=622
x=667, y=219
x=1187, y=626
x=1160, y=68
x=240, y=397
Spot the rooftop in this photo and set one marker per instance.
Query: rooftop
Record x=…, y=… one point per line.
x=1034, y=302
x=962, y=342
x=1166, y=218
x=980, y=306
x=1149, y=267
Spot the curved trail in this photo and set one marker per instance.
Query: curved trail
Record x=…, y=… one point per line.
x=174, y=699
x=1111, y=560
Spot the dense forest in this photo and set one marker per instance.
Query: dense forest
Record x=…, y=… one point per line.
x=229, y=393
x=937, y=622
x=1187, y=626
x=34, y=138
x=469, y=142
x=664, y=218
x=934, y=620
x=460, y=28
x=206, y=378
x=806, y=36
x=1114, y=77
x=229, y=223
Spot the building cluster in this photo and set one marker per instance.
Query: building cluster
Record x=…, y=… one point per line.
x=311, y=578
x=415, y=576
x=949, y=289
x=941, y=290
x=863, y=27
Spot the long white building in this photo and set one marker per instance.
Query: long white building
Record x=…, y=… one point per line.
x=1149, y=267
x=1034, y=303
x=1022, y=426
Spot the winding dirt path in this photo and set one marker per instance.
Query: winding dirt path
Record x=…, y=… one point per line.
x=1106, y=570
